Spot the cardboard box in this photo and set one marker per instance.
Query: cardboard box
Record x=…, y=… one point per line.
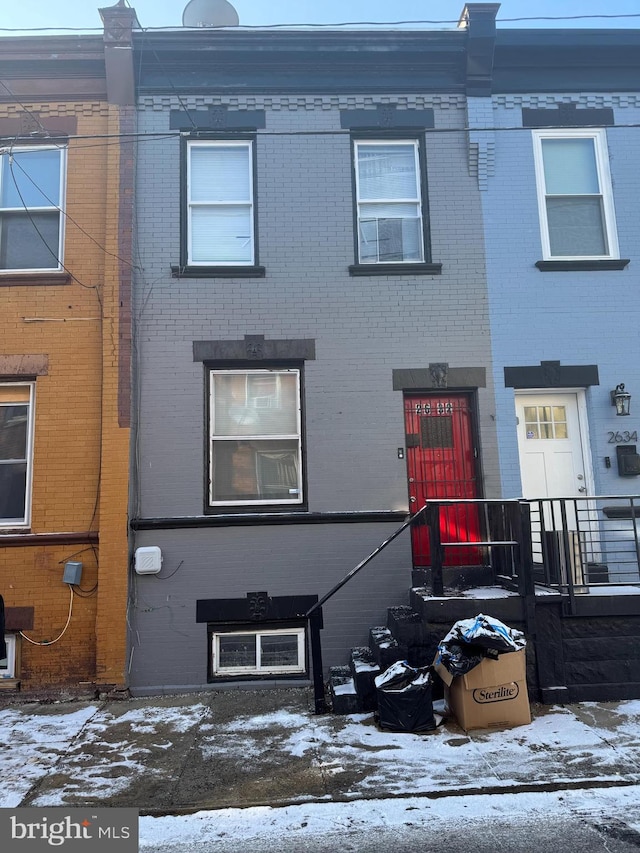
x=493, y=695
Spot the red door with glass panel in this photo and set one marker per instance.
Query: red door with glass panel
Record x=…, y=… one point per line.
x=441, y=463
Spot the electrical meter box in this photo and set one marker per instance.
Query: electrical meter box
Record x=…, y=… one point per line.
x=148, y=560
x=72, y=573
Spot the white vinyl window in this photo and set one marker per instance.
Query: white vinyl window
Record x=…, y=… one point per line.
x=255, y=454
x=389, y=202
x=8, y=664
x=31, y=201
x=16, y=452
x=269, y=652
x=574, y=194
x=220, y=203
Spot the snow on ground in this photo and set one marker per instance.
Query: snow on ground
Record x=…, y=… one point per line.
x=312, y=819
x=33, y=740
x=31, y=743
x=402, y=763
x=106, y=749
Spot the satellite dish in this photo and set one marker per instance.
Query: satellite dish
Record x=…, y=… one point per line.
x=209, y=13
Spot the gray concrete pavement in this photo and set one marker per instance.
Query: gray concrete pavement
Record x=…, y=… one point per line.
x=175, y=754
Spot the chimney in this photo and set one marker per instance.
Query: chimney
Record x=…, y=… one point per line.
x=119, y=21
x=479, y=20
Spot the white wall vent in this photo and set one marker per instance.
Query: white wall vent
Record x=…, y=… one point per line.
x=148, y=560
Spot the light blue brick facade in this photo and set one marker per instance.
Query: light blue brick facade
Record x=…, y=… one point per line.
x=575, y=317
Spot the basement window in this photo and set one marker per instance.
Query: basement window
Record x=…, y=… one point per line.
x=267, y=652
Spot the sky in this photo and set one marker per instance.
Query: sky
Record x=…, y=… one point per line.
x=73, y=14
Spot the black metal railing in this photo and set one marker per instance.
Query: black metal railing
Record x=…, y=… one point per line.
x=584, y=542
x=314, y=614
x=566, y=544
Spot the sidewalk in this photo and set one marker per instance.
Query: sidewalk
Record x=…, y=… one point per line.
x=236, y=748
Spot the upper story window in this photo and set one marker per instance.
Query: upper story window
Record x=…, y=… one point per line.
x=31, y=200
x=389, y=201
x=574, y=194
x=16, y=451
x=255, y=446
x=220, y=206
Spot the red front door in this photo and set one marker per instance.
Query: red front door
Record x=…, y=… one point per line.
x=441, y=463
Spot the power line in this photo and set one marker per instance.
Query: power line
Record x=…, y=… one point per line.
x=70, y=218
x=26, y=109
x=337, y=24
x=44, y=241
x=115, y=139
x=334, y=25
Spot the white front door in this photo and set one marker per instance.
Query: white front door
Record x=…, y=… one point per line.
x=550, y=443
x=552, y=439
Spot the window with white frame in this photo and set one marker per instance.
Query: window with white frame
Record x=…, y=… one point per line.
x=32, y=182
x=574, y=194
x=264, y=652
x=220, y=209
x=389, y=201
x=8, y=664
x=255, y=447
x=16, y=450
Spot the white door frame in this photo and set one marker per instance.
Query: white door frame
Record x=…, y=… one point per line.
x=583, y=424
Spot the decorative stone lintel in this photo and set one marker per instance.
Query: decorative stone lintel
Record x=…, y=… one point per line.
x=255, y=348
x=24, y=365
x=551, y=374
x=428, y=378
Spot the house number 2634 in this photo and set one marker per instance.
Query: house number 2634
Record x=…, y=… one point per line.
x=622, y=437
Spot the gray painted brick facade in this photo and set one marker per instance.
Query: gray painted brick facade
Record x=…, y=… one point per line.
x=364, y=328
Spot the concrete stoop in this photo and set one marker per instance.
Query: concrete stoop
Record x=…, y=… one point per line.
x=405, y=637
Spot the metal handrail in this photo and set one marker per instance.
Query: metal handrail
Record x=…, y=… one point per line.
x=522, y=561
x=364, y=562
x=314, y=614
x=314, y=617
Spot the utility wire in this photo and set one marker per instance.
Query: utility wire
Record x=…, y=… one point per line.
x=39, y=233
x=61, y=634
x=114, y=139
x=100, y=303
x=71, y=219
x=454, y=21
x=175, y=91
x=26, y=109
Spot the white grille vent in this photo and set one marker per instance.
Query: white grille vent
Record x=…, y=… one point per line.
x=148, y=560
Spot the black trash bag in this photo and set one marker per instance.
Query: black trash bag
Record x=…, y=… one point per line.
x=405, y=702
x=471, y=640
x=459, y=658
x=489, y=633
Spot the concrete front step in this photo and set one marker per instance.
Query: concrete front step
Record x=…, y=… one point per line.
x=352, y=688
x=385, y=648
x=364, y=669
x=412, y=634
x=342, y=691
x=448, y=609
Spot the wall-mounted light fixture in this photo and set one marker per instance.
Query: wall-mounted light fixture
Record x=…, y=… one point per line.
x=621, y=399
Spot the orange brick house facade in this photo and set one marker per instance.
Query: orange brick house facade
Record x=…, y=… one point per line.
x=65, y=346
